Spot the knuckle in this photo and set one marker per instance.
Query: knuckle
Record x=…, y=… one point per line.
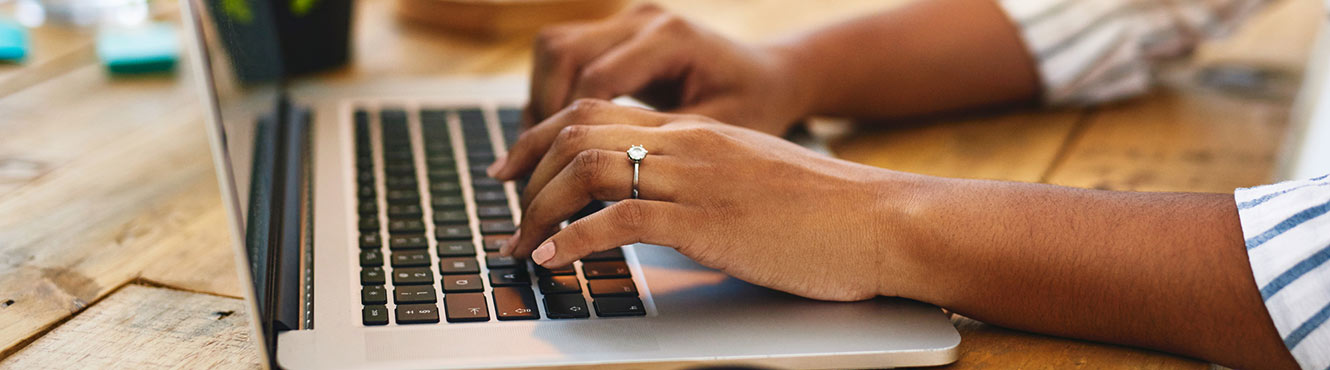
x=669, y=23
x=571, y=135
x=631, y=214
x=588, y=167
x=582, y=109
x=648, y=8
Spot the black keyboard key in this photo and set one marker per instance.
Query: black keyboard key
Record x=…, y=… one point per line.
x=493, y=243
x=515, y=303
x=442, y=160
x=414, y=294
x=401, y=183
x=370, y=240
x=566, y=306
x=462, y=283
x=611, y=287
x=413, y=276
x=620, y=306
x=494, y=262
x=404, y=211
x=369, y=223
x=397, y=156
x=494, y=212
x=370, y=258
x=369, y=208
x=406, y=226
x=366, y=193
x=559, y=284
x=447, y=202
x=464, y=307
x=372, y=276
x=491, y=197
x=445, y=187
x=510, y=117
x=374, y=315
x=452, y=232
x=373, y=294
x=615, y=254
x=458, y=265
x=400, y=169
x=605, y=270
x=416, y=258
x=509, y=277
x=443, y=174
x=566, y=270
x=486, y=183
x=457, y=249
x=450, y=216
x=426, y=313
x=497, y=227
x=404, y=242
x=403, y=196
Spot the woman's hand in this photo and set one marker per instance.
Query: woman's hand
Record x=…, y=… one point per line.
x=668, y=62
x=752, y=205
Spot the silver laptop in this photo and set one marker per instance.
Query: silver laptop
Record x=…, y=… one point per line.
x=366, y=234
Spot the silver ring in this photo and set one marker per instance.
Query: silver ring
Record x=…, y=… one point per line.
x=636, y=153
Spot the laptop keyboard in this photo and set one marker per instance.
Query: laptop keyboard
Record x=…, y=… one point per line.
x=429, y=247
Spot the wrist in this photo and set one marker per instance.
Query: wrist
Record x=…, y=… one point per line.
x=800, y=82
x=909, y=247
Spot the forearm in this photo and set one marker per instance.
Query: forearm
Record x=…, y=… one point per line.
x=1160, y=270
x=925, y=57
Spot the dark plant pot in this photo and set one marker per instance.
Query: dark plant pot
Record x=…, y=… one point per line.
x=315, y=34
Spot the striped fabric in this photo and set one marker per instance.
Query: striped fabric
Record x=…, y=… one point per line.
x=1287, y=228
x=1093, y=51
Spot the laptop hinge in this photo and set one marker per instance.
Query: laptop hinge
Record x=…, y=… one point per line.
x=290, y=218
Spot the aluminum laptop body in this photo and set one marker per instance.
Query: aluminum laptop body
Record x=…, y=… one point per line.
x=291, y=159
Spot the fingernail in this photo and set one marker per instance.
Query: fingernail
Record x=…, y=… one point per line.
x=495, y=167
x=544, y=253
x=507, y=249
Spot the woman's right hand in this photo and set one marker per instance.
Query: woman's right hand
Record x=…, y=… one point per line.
x=669, y=63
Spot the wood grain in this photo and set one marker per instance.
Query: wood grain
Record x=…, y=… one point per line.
x=145, y=327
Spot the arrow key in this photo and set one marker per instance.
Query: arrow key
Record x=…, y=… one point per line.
x=515, y=303
x=566, y=306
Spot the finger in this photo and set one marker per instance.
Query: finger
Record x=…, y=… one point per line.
x=561, y=51
x=593, y=175
x=627, y=222
x=630, y=67
x=533, y=143
x=572, y=141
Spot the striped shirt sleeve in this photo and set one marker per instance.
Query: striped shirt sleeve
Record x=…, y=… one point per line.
x=1287, y=230
x=1094, y=51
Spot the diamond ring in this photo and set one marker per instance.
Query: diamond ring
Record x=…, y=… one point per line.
x=636, y=153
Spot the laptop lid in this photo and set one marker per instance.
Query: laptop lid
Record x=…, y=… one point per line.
x=256, y=141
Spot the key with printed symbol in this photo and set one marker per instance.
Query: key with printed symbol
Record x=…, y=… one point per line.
x=559, y=284
x=515, y=303
x=500, y=261
x=462, y=283
x=493, y=243
x=494, y=212
x=450, y=217
x=566, y=306
x=412, y=276
x=369, y=258
x=615, y=254
x=447, y=201
x=417, y=313
x=372, y=295
x=464, y=307
x=566, y=270
x=400, y=242
x=611, y=287
x=374, y=315
x=497, y=227
x=605, y=270
x=509, y=277
x=619, y=306
x=370, y=240
x=452, y=232
x=458, y=265
x=414, y=294
x=457, y=249
x=372, y=276
x=406, y=226
x=416, y=258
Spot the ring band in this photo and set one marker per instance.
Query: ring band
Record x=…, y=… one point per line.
x=635, y=154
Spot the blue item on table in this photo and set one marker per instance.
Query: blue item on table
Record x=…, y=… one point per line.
x=151, y=48
x=13, y=41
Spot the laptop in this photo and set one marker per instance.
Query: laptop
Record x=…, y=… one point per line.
x=365, y=234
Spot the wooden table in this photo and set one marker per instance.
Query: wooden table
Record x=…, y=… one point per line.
x=112, y=243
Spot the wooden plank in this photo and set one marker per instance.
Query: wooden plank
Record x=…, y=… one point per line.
x=144, y=327
x=985, y=346
x=1019, y=146
x=1173, y=140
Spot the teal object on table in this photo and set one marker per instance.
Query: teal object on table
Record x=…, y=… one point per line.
x=151, y=48
x=13, y=41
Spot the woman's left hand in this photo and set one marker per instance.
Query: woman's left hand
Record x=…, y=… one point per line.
x=755, y=206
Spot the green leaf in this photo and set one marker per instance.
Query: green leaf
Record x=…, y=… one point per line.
x=302, y=7
x=238, y=11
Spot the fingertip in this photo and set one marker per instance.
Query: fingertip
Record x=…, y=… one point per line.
x=507, y=249
x=496, y=169
x=544, y=253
